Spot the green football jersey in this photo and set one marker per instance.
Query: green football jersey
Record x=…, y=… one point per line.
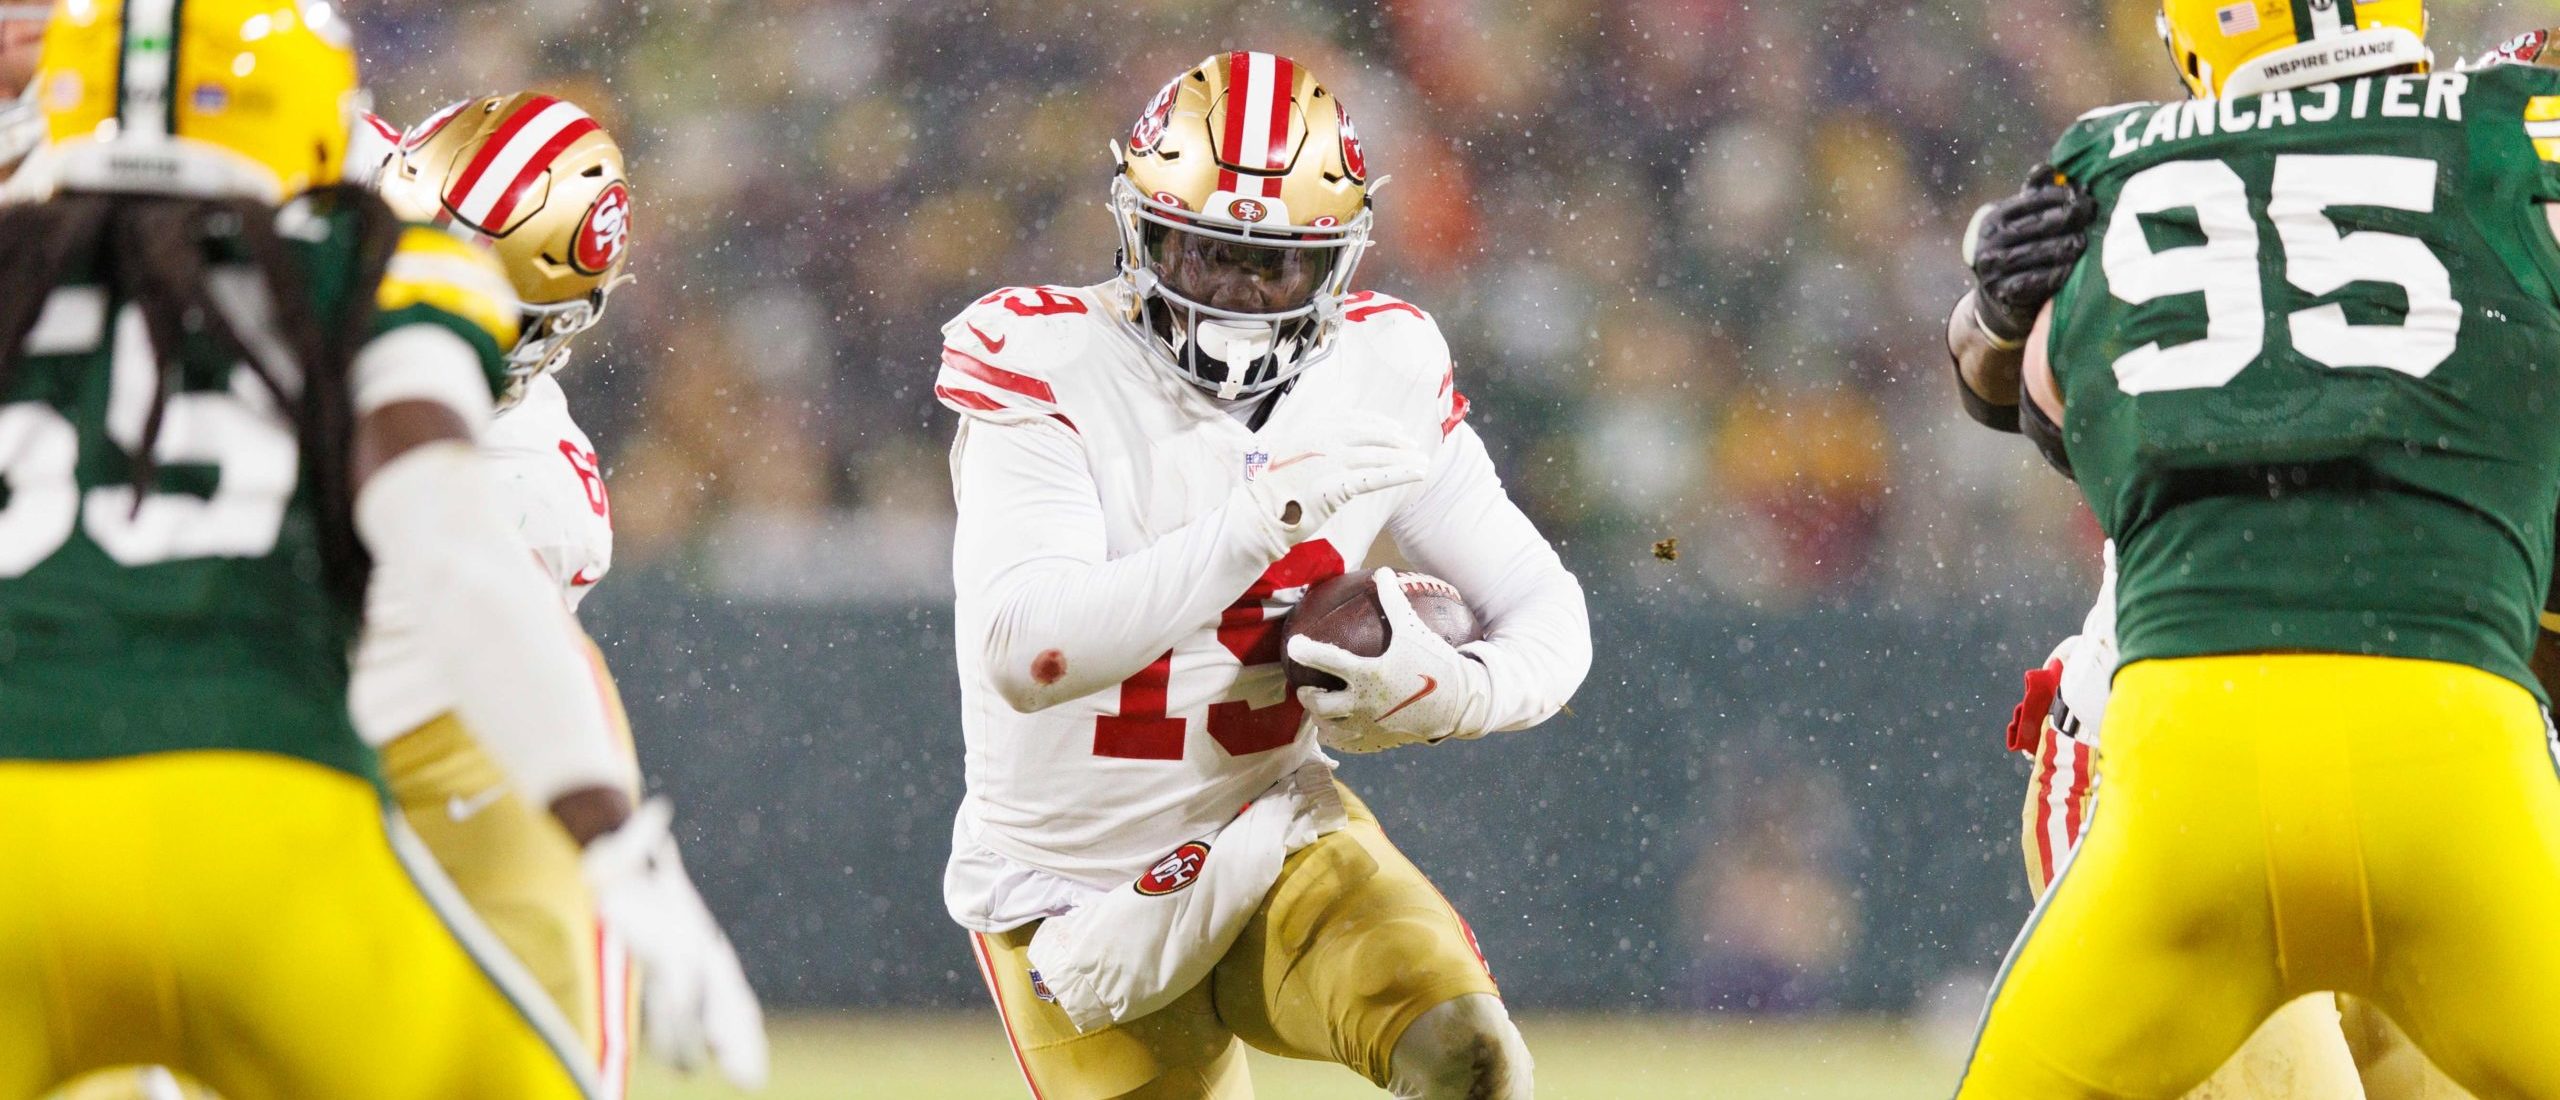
x=193, y=615
x=2311, y=366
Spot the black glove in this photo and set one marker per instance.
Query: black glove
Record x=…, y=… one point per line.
x=2022, y=249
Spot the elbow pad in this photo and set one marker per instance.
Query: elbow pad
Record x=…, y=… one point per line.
x=517, y=663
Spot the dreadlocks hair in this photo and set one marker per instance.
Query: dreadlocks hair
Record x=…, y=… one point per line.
x=157, y=253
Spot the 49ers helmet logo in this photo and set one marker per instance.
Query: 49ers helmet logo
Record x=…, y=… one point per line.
x=1354, y=162
x=2526, y=47
x=1150, y=128
x=607, y=229
x=1174, y=872
x=1248, y=210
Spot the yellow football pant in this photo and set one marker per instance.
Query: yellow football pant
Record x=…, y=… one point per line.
x=2319, y=1047
x=255, y=922
x=2274, y=825
x=1351, y=947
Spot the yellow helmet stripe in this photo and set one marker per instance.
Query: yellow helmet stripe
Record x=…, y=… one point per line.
x=146, y=71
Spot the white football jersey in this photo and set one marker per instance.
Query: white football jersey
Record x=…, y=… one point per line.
x=1095, y=789
x=552, y=487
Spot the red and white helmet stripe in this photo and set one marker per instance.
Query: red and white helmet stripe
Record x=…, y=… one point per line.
x=487, y=192
x=1257, y=131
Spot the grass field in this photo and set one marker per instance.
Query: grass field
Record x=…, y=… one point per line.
x=1579, y=1058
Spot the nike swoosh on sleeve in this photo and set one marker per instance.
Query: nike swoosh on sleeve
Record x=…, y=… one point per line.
x=995, y=344
x=1429, y=685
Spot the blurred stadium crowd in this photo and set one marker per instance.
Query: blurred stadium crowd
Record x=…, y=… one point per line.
x=1688, y=304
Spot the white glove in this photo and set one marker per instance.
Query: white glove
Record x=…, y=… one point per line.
x=1421, y=689
x=1317, y=472
x=694, y=999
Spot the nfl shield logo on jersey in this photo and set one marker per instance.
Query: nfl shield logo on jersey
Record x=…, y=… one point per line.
x=1255, y=462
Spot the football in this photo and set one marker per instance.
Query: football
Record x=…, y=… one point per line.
x=1345, y=612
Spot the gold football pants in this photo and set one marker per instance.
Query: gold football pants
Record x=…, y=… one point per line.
x=2274, y=825
x=1352, y=945
x=519, y=872
x=258, y=923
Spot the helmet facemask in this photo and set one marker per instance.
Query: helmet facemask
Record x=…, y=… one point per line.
x=547, y=333
x=1240, y=307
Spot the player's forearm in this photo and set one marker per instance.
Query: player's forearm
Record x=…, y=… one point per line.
x=1054, y=630
x=1052, y=615
x=1536, y=656
x=1987, y=373
x=1464, y=528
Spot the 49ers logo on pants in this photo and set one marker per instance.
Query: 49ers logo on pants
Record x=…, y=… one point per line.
x=607, y=229
x=1174, y=872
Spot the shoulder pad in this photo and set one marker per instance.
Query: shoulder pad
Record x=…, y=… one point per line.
x=1413, y=341
x=1001, y=356
x=1400, y=323
x=2093, y=131
x=1409, y=334
x=2113, y=109
x=1027, y=328
x=435, y=277
x=1369, y=305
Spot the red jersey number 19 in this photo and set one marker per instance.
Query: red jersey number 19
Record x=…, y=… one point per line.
x=1250, y=629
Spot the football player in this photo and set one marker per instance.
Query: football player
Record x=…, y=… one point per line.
x=1150, y=472
x=2020, y=250
x=562, y=236
x=223, y=414
x=539, y=181
x=2315, y=444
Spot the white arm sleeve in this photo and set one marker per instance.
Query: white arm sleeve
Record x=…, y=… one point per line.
x=516, y=663
x=1032, y=566
x=1463, y=528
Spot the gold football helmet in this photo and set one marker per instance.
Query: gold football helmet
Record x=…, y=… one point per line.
x=2244, y=47
x=209, y=97
x=1243, y=203
x=541, y=181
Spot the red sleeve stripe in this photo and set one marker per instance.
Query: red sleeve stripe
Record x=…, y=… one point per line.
x=1458, y=405
x=996, y=376
x=968, y=399
x=1365, y=312
x=971, y=399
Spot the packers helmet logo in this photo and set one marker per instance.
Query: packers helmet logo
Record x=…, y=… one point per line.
x=1354, y=162
x=607, y=230
x=1248, y=210
x=1151, y=124
x=1176, y=871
